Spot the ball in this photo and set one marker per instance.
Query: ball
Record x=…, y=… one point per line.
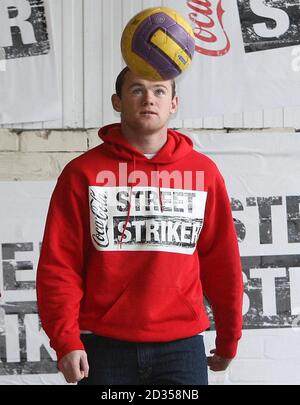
x=158, y=44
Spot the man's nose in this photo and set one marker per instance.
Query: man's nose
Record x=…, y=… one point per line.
x=148, y=98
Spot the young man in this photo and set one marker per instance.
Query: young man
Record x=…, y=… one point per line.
x=133, y=240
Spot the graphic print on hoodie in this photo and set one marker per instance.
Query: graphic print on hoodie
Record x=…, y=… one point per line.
x=133, y=219
x=130, y=257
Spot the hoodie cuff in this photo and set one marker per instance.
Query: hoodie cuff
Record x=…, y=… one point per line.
x=71, y=345
x=226, y=349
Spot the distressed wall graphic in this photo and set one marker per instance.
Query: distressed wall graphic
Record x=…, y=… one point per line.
x=24, y=347
x=271, y=287
x=269, y=24
x=23, y=28
x=22, y=344
x=29, y=88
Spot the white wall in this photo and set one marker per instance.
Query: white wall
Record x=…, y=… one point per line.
x=87, y=73
x=265, y=357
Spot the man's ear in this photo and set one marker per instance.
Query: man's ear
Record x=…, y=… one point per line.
x=174, y=105
x=116, y=102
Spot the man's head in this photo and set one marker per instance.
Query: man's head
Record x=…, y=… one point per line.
x=121, y=78
x=145, y=105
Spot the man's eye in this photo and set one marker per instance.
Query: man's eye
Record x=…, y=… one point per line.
x=137, y=91
x=160, y=92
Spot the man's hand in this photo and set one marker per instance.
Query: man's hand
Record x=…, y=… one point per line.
x=217, y=363
x=74, y=366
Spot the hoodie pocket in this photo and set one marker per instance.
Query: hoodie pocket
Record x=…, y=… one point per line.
x=139, y=308
x=188, y=304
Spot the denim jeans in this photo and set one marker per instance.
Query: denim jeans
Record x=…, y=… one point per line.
x=114, y=362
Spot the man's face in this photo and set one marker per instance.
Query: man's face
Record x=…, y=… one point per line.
x=145, y=105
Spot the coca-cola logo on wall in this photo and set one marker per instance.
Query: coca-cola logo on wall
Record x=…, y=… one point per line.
x=265, y=24
x=210, y=34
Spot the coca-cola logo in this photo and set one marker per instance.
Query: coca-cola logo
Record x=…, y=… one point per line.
x=207, y=20
x=98, y=206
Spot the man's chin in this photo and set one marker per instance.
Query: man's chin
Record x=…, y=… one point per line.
x=147, y=127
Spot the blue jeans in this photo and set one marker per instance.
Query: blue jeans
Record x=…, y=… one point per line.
x=115, y=362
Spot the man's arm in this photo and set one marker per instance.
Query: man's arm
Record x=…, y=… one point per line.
x=221, y=273
x=60, y=268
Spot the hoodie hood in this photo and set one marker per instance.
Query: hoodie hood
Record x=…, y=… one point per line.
x=176, y=147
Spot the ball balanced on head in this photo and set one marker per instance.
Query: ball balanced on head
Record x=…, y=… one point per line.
x=158, y=44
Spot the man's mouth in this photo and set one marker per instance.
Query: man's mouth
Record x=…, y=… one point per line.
x=148, y=112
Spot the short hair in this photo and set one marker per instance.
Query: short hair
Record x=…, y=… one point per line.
x=121, y=78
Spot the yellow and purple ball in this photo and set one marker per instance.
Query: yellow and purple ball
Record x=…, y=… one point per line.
x=158, y=44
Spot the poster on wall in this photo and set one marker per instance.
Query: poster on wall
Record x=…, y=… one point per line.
x=261, y=172
x=25, y=354
x=28, y=77
x=247, y=56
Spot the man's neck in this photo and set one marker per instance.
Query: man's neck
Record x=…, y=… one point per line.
x=145, y=143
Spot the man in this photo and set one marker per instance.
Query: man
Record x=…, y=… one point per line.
x=133, y=240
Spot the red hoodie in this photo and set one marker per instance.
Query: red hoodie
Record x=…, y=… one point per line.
x=130, y=257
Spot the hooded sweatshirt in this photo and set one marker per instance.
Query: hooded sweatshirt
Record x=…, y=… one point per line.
x=132, y=245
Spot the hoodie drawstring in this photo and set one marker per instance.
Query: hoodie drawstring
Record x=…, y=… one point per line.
x=129, y=204
x=132, y=184
x=159, y=191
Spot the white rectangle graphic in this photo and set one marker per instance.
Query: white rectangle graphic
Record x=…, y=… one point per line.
x=169, y=220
